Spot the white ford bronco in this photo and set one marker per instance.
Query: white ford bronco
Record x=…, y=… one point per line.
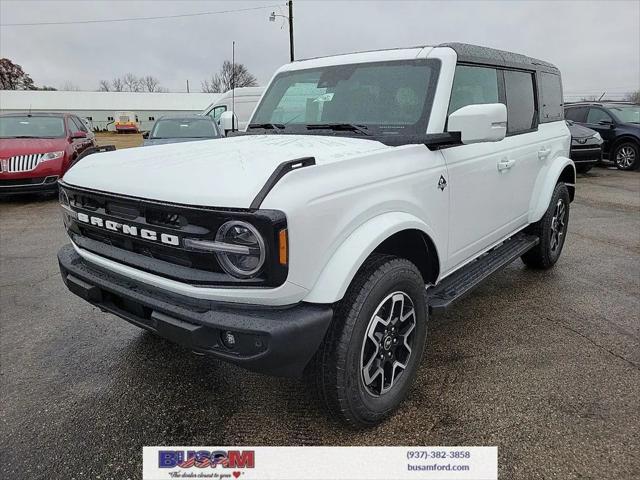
x=367, y=191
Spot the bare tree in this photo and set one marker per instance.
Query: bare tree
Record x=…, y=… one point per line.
x=131, y=83
x=150, y=84
x=230, y=76
x=634, y=97
x=12, y=77
x=117, y=85
x=69, y=86
x=104, y=86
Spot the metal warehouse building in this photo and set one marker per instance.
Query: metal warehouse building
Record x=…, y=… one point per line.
x=100, y=107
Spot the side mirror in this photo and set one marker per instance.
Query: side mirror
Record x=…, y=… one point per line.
x=479, y=123
x=145, y=134
x=228, y=121
x=606, y=123
x=78, y=134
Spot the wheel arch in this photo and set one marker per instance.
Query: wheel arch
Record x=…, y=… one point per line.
x=393, y=233
x=561, y=170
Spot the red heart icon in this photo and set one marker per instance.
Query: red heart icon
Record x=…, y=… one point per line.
x=236, y=474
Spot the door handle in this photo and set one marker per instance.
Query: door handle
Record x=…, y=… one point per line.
x=505, y=164
x=543, y=153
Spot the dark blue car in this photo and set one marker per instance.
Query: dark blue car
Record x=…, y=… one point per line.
x=182, y=128
x=618, y=123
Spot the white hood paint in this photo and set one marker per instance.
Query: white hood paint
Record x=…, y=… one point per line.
x=220, y=173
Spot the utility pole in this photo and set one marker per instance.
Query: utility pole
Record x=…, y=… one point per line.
x=187, y=86
x=291, y=29
x=272, y=18
x=233, y=84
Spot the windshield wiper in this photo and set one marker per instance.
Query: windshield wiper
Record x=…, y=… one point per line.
x=268, y=126
x=348, y=127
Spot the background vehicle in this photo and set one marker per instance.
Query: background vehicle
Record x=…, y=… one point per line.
x=244, y=100
x=89, y=127
x=182, y=128
x=618, y=123
x=586, y=147
x=36, y=149
x=126, y=122
x=307, y=245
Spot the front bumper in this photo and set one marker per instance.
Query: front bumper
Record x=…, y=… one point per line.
x=277, y=341
x=586, y=155
x=28, y=185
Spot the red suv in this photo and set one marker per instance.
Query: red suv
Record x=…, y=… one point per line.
x=36, y=149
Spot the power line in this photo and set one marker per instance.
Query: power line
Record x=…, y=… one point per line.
x=135, y=19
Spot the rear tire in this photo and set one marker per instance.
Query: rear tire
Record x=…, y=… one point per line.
x=551, y=229
x=625, y=155
x=373, y=348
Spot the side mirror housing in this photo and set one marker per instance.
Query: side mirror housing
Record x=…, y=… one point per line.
x=228, y=122
x=479, y=123
x=78, y=134
x=606, y=123
x=145, y=134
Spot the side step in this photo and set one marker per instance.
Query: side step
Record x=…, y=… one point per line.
x=461, y=282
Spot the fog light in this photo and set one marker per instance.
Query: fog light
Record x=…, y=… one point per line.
x=229, y=339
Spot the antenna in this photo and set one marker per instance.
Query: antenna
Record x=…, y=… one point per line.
x=601, y=96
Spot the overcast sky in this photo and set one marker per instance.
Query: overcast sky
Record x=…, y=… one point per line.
x=596, y=45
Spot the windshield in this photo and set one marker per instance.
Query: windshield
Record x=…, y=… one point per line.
x=627, y=113
x=386, y=98
x=31, y=127
x=184, y=128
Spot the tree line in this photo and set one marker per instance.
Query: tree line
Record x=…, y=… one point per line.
x=13, y=77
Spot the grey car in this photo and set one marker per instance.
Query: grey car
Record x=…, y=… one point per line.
x=182, y=128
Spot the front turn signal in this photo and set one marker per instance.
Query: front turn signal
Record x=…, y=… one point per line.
x=283, y=247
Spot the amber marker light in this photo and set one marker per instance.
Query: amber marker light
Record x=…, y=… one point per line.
x=283, y=244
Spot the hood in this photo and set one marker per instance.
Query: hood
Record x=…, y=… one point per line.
x=163, y=141
x=578, y=131
x=10, y=147
x=227, y=172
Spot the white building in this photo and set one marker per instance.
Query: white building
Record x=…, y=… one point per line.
x=99, y=107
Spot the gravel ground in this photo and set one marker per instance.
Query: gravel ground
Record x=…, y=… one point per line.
x=544, y=365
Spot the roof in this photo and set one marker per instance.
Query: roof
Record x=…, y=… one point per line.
x=466, y=53
x=185, y=116
x=34, y=114
x=113, y=101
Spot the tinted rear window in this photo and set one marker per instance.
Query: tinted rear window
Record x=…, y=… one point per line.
x=521, y=109
x=551, y=93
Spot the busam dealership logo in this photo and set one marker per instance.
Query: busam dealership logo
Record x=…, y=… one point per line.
x=131, y=230
x=234, y=459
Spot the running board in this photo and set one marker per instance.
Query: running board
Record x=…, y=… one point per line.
x=461, y=282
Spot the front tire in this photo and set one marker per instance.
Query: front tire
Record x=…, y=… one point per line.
x=551, y=229
x=373, y=348
x=625, y=155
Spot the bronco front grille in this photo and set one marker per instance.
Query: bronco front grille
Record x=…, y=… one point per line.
x=171, y=260
x=23, y=163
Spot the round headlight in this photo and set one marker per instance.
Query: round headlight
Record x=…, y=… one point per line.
x=248, y=261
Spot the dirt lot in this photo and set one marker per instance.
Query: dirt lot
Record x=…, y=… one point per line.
x=120, y=140
x=544, y=365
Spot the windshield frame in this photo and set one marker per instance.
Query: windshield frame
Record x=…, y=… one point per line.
x=376, y=131
x=61, y=118
x=205, y=118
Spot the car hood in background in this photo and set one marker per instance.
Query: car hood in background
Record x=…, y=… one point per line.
x=10, y=147
x=163, y=141
x=578, y=131
x=226, y=172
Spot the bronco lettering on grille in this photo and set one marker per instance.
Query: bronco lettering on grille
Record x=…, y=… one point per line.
x=131, y=230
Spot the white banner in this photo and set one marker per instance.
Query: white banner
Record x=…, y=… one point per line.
x=321, y=463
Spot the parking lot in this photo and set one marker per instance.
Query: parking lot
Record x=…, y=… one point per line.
x=543, y=364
